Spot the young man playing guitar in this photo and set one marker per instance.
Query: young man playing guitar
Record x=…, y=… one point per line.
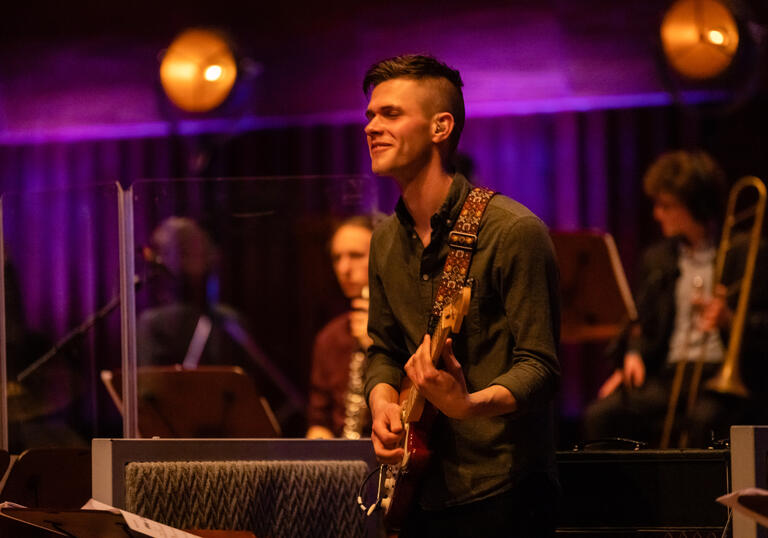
x=492, y=467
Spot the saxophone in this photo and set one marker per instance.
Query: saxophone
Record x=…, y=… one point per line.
x=356, y=416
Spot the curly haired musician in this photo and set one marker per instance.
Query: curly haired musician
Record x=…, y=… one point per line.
x=679, y=317
x=492, y=472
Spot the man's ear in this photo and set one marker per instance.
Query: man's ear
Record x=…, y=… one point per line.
x=442, y=126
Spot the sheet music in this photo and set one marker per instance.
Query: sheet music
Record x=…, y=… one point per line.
x=759, y=497
x=141, y=524
x=153, y=528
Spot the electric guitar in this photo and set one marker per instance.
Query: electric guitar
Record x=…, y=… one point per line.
x=398, y=483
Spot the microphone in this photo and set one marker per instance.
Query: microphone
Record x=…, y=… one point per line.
x=149, y=255
x=153, y=259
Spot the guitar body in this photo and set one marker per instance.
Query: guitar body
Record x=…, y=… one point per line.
x=403, y=480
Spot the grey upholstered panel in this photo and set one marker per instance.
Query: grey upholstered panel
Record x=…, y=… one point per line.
x=270, y=498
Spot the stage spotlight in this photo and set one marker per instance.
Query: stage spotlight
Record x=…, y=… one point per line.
x=699, y=37
x=198, y=70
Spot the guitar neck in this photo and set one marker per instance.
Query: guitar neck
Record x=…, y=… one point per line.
x=437, y=342
x=414, y=404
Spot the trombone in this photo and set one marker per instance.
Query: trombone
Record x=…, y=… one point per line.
x=728, y=380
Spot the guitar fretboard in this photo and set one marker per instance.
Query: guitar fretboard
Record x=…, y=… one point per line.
x=437, y=342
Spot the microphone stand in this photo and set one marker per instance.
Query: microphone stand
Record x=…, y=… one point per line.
x=260, y=359
x=231, y=326
x=75, y=333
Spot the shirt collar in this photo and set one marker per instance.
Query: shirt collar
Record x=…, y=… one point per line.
x=703, y=255
x=449, y=210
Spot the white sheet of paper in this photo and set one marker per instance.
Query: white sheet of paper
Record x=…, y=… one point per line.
x=141, y=524
x=732, y=500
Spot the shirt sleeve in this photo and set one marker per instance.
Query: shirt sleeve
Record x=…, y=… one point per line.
x=387, y=354
x=527, y=277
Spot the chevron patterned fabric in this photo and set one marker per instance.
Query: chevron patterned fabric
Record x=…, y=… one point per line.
x=269, y=498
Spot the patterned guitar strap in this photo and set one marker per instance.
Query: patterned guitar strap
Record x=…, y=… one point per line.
x=462, y=241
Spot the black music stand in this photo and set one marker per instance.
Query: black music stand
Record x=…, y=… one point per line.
x=595, y=298
x=5, y=461
x=203, y=402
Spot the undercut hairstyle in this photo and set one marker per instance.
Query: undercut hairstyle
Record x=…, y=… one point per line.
x=694, y=178
x=424, y=67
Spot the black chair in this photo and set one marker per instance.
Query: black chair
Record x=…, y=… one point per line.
x=50, y=478
x=5, y=460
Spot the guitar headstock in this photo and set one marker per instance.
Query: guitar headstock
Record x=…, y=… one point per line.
x=453, y=313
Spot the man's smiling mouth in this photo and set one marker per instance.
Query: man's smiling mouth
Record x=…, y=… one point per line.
x=377, y=146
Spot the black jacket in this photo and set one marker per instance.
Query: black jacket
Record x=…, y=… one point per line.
x=655, y=297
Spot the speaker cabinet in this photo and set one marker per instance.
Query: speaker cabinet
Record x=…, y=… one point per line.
x=643, y=493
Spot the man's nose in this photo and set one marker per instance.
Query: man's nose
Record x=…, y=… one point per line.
x=343, y=266
x=372, y=126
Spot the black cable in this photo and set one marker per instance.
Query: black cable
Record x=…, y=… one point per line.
x=360, y=492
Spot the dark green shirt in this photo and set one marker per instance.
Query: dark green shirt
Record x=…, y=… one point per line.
x=508, y=338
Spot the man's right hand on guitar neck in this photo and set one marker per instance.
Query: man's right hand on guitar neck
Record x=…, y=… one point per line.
x=387, y=429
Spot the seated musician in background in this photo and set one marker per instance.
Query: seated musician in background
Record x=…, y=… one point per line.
x=192, y=327
x=189, y=326
x=679, y=316
x=336, y=404
x=492, y=470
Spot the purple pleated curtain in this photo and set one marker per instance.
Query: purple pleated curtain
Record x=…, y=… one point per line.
x=574, y=169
